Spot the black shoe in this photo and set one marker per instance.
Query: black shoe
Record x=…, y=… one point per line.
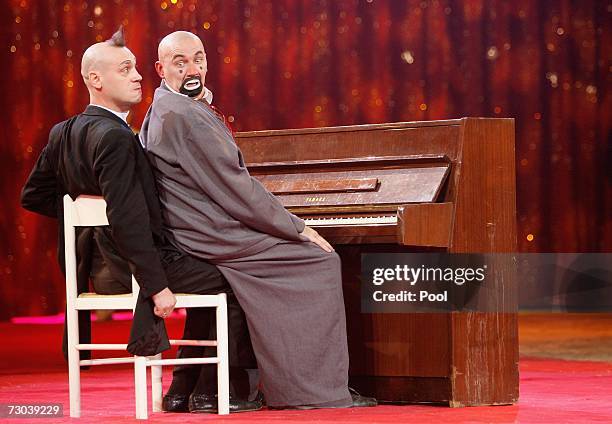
x=202, y=403
x=208, y=403
x=259, y=397
x=175, y=403
x=361, y=401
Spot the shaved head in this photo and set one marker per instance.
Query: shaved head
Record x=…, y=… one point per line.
x=96, y=52
x=109, y=72
x=170, y=42
x=93, y=58
x=182, y=63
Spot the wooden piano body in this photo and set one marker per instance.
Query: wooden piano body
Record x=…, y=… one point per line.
x=456, y=193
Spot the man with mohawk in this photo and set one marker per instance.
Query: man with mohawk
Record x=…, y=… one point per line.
x=96, y=153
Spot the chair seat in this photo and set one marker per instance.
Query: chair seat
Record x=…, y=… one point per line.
x=90, y=211
x=101, y=296
x=126, y=301
x=92, y=294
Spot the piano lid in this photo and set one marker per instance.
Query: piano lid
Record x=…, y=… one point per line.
x=366, y=184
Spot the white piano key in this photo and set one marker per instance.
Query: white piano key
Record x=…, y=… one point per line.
x=354, y=220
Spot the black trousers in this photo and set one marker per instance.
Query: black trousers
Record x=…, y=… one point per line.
x=186, y=274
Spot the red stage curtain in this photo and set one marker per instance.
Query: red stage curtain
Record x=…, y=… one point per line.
x=289, y=63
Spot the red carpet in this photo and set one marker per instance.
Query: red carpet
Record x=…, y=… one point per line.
x=32, y=370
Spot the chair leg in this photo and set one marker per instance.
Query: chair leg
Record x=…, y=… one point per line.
x=156, y=385
x=72, y=315
x=223, y=357
x=74, y=367
x=140, y=385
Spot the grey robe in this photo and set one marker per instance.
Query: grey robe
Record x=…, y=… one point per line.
x=289, y=288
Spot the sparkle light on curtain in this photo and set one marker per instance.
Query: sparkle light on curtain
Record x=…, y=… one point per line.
x=289, y=64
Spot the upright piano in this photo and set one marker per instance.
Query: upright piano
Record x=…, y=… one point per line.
x=439, y=186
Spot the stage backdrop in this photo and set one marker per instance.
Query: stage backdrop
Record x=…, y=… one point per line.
x=289, y=64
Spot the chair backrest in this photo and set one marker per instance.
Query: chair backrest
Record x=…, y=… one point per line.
x=84, y=211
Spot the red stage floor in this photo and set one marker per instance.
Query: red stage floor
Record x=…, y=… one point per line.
x=32, y=371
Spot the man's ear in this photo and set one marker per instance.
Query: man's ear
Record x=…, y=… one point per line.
x=159, y=68
x=94, y=80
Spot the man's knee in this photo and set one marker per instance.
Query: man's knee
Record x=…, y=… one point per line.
x=329, y=265
x=335, y=259
x=312, y=250
x=332, y=260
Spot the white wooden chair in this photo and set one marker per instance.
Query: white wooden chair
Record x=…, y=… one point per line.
x=90, y=211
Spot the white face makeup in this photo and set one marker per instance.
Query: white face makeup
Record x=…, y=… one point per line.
x=182, y=63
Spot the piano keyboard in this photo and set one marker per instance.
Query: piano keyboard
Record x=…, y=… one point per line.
x=353, y=220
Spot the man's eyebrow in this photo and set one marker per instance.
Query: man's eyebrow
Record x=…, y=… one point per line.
x=176, y=56
x=127, y=62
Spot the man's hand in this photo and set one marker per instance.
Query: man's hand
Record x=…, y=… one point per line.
x=164, y=303
x=314, y=237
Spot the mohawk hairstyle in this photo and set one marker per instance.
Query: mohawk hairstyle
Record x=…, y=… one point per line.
x=118, y=38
